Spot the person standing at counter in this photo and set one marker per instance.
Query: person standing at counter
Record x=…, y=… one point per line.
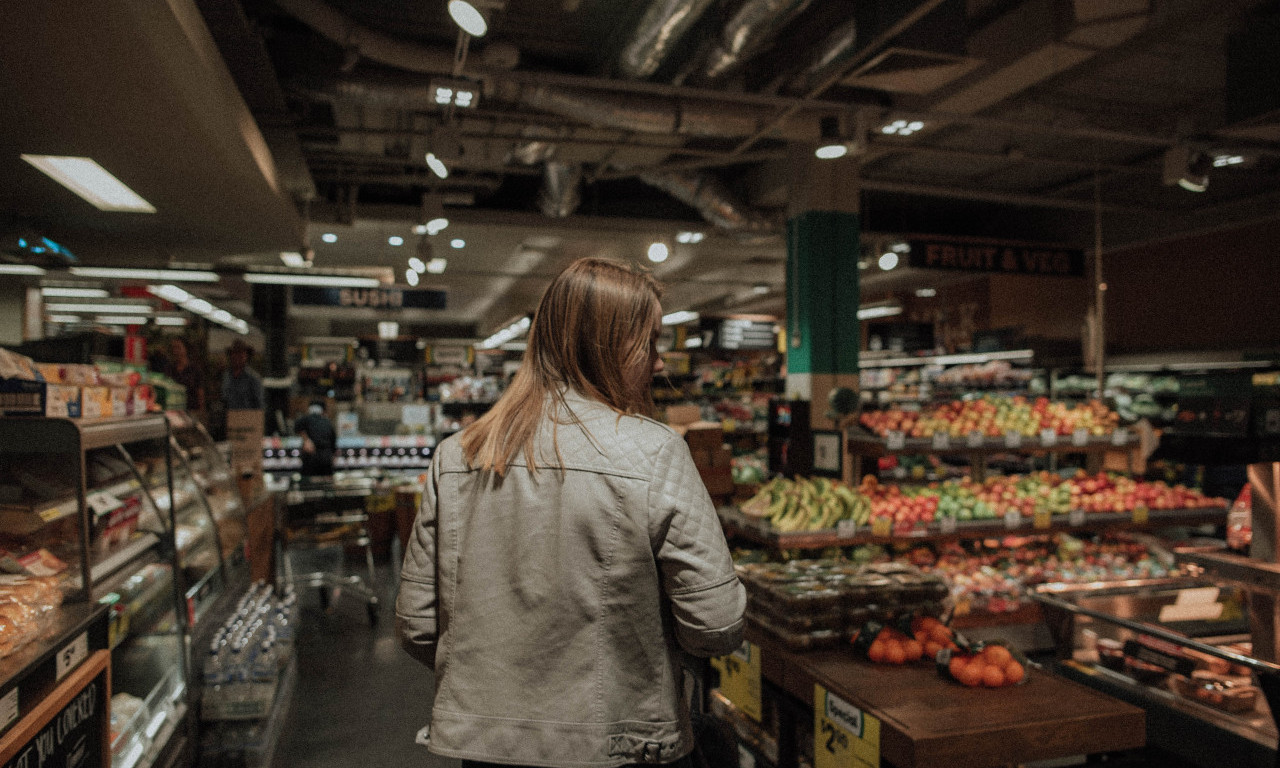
x=319, y=441
x=183, y=370
x=241, y=385
x=567, y=551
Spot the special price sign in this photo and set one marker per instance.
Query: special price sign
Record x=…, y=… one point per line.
x=843, y=735
x=740, y=679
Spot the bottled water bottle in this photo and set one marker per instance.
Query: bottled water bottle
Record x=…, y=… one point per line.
x=214, y=676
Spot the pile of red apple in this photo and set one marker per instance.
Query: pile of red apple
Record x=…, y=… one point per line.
x=994, y=416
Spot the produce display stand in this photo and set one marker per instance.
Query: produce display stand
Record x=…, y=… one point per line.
x=759, y=531
x=861, y=444
x=926, y=721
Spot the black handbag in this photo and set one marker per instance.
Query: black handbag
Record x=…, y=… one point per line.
x=714, y=743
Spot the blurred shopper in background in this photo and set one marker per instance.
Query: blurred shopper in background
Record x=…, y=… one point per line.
x=567, y=552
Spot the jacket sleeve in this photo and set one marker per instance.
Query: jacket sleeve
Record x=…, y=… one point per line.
x=707, y=600
x=416, y=601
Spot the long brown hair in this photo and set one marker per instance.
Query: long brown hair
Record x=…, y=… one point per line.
x=593, y=325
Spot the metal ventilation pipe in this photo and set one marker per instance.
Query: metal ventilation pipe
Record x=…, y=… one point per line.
x=560, y=184
x=664, y=23
x=713, y=200
x=835, y=49
x=749, y=28
x=332, y=24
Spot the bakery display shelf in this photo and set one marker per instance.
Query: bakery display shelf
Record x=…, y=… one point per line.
x=117, y=558
x=33, y=666
x=865, y=444
x=761, y=531
x=49, y=434
x=30, y=517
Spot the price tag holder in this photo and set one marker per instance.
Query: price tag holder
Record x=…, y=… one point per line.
x=1012, y=519
x=1048, y=438
x=846, y=529
x=8, y=709
x=1012, y=440
x=946, y=525
x=1076, y=517
x=71, y=655
x=1080, y=437
x=1141, y=514
x=843, y=735
x=103, y=503
x=895, y=441
x=1119, y=437
x=974, y=440
x=882, y=526
x=1042, y=520
x=941, y=441
x=740, y=679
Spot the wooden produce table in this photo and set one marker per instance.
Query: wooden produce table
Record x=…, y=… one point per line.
x=926, y=721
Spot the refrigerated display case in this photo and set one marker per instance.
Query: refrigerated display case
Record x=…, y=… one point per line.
x=80, y=504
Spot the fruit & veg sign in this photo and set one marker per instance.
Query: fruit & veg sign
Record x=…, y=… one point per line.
x=965, y=255
x=740, y=679
x=843, y=735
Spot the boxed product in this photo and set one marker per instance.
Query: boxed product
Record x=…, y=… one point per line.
x=23, y=397
x=95, y=403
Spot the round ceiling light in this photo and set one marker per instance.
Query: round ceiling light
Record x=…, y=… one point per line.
x=888, y=260
x=467, y=16
x=658, y=252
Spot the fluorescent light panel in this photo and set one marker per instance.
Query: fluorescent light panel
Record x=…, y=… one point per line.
x=331, y=281
x=176, y=275
x=92, y=182
x=140, y=309
x=120, y=320
x=65, y=292
x=869, y=313
x=676, y=318
x=20, y=269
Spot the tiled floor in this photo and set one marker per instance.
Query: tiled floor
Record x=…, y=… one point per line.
x=360, y=699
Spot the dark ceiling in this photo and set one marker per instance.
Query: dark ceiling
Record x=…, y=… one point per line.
x=602, y=124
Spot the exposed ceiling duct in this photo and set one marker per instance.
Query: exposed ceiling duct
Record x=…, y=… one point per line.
x=746, y=33
x=830, y=57
x=649, y=45
x=560, y=196
x=365, y=42
x=713, y=200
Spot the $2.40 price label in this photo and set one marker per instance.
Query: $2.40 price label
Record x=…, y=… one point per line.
x=740, y=679
x=843, y=735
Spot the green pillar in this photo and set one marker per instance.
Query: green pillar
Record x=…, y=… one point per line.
x=823, y=336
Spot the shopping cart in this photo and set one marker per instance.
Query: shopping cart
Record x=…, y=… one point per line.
x=328, y=513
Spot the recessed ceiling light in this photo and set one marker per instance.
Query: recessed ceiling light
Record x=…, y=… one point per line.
x=437, y=225
x=329, y=237
x=458, y=242
x=411, y=277
x=831, y=151
x=888, y=260
x=294, y=259
x=20, y=269
x=437, y=166
x=658, y=252
x=760, y=289
x=926, y=293
x=419, y=229
x=436, y=266
x=417, y=265
x=690, y=238
x=91, y=182
x=469, y=17
x=395, y=240
x=388, y=329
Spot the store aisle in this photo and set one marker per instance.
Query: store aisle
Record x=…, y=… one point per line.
x=360, y=699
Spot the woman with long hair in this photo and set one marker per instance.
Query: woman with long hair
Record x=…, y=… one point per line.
x=567, y=551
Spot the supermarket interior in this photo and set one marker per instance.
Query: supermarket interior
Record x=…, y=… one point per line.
x=970, y=324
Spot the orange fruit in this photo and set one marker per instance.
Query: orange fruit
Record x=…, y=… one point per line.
x=931, y=649
x=1013, y=673
x=971, y=674
x=941, y=634
x=912, y=649
x=922, y=635
x=992, y=676
x=894, y=653
x=997, y=655
x=876, y=651
x=957, y=664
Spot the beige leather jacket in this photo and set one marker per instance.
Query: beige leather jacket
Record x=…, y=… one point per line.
x=552, y=606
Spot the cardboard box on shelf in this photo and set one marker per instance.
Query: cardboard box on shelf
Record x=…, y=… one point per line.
x=721, y=457
x=20, y=397
x=95, y=403
x=705, y=435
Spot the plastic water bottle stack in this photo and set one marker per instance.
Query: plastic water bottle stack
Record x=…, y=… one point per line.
x=249, y=651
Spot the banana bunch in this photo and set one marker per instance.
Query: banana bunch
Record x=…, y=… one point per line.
x=810, y=504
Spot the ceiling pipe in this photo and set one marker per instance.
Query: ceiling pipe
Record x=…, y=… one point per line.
x=560, y=194
x=747, y=32
x=366, y=42
x=711, y=198
x=831, y=56
x=661, y=28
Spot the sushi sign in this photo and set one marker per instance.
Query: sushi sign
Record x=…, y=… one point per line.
x=991, y=256
x=368, y=298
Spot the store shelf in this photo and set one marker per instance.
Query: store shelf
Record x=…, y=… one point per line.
x=760, y=531
x=117, y=558
x=28, y=674
x=862, y=444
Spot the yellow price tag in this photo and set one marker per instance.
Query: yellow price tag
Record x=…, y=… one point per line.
x=843, y=735
x=740, y=679
x=882, y=526
x=1141, y=514
x=1043, y=519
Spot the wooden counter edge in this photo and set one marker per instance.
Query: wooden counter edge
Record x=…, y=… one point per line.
x=40, y=715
